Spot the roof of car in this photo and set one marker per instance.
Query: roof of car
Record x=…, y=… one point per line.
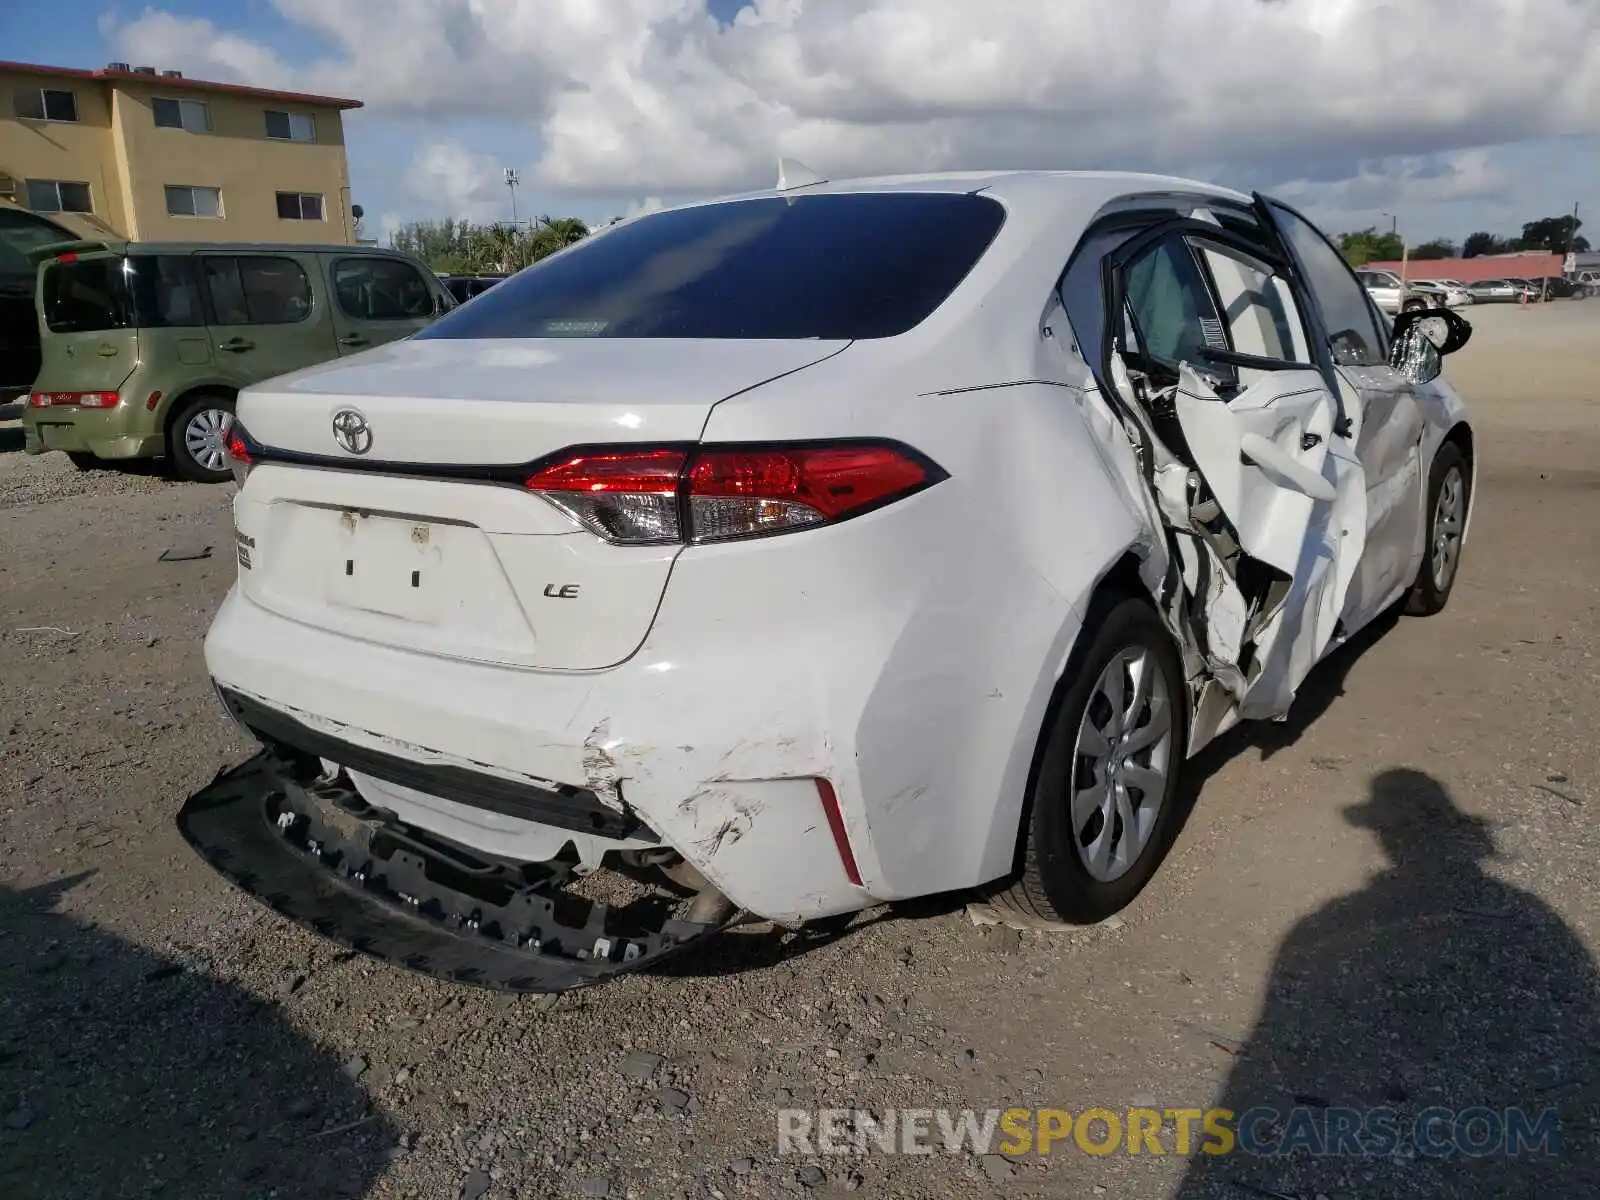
x=1016, y=186
x=116, y=246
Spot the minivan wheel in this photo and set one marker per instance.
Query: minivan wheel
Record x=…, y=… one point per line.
x=197, y=438
x=1106, y=787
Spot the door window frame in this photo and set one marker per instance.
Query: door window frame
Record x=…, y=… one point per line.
x=1323, y=348
x=1192, y=231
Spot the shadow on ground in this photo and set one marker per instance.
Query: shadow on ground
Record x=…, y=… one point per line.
x=1416, y=1033
x=125, y=1074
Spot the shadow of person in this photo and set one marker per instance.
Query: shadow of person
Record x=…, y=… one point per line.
x=1420, y=1037
x=126, y=1074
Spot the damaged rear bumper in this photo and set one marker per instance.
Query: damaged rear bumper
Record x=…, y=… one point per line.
x=315, y=852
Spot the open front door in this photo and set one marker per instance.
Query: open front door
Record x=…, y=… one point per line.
x=1265, y=495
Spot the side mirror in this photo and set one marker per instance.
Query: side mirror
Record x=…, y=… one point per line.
x=1421, y=340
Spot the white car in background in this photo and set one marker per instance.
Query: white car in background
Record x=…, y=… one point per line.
x=814, y=548
x=1445, y=291
x=1392, y=296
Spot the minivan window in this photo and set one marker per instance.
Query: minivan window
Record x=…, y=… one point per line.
x=381, y=289
x=107, y=292
x=834, y=266
x=256, y=289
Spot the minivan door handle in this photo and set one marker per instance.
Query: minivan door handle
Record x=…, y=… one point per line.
x=236, y=345
x=354, y=339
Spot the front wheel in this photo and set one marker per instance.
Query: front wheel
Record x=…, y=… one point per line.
x=1106, y=787
x=1449, y=493
x=1413, y=305
x=197, y=439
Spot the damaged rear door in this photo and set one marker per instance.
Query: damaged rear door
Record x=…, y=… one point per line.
x=1254, y=467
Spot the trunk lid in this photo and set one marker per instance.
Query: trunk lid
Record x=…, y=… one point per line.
x=401, y=549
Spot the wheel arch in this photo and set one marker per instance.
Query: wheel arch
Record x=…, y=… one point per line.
x=1120, y=579
x=170, y=405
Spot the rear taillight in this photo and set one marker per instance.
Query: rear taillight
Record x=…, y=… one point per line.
x=74, y=399
x=238, y=449
x=644, y=496
x=625, y=496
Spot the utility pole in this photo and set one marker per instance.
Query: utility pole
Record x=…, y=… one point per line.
x=511, y=182
x=1394, y=223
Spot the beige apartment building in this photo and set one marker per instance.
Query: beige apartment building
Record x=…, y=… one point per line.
x=137, y=153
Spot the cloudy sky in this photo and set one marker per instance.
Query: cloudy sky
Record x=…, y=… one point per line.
x=1454, y=115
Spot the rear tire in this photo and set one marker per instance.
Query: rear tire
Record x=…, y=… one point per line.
x=1449, y=495
x=1101, y=812
x=196, y=435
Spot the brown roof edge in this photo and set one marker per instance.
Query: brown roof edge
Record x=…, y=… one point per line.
x=160, y=81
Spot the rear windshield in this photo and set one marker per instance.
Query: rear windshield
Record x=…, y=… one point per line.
x=107, y=292
x=847, y=266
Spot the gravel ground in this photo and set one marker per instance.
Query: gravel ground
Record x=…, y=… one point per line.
x=1389, y=900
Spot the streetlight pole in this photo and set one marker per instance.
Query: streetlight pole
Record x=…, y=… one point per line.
x=511, y=182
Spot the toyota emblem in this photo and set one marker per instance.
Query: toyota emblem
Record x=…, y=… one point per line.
x=351, y=431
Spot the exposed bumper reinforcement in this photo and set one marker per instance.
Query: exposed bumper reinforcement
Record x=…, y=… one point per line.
x=316, y=853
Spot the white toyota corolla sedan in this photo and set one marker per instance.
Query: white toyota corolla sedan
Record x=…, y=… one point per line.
x=798, y=551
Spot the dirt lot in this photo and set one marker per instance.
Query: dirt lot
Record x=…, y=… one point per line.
x=1391, y=900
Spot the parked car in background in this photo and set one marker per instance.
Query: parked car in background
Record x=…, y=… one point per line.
x=21, y=233
x=1589, y=281
x=1441, y=291
x=1557, y=287
x=145, y=346
x=1392, y=296
x=465, y=287
x=1494, y=291
x=809, y=581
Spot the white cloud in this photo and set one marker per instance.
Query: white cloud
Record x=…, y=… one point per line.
x=636, y=95
x=641, y=208
x=453, y=179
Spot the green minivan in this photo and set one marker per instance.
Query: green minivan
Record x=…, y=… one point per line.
x=144, y=346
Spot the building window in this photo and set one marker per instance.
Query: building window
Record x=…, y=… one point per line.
x=191, y=115
x=291, y=126
x=59, y=195
x=299, y=206
x=46, y=104
x=185, y=201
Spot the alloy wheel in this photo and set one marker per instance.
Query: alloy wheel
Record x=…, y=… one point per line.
x=1121, y=763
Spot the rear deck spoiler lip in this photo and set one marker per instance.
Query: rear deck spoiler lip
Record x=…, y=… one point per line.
x=53, y=250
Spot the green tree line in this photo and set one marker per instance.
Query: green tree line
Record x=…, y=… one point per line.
x=454, y=247
x=1554, y=235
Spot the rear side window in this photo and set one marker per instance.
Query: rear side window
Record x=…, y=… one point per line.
x=1173, y=315
x=88, y=295
x=381, y=289
x=843, y=266
x=256, y=289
